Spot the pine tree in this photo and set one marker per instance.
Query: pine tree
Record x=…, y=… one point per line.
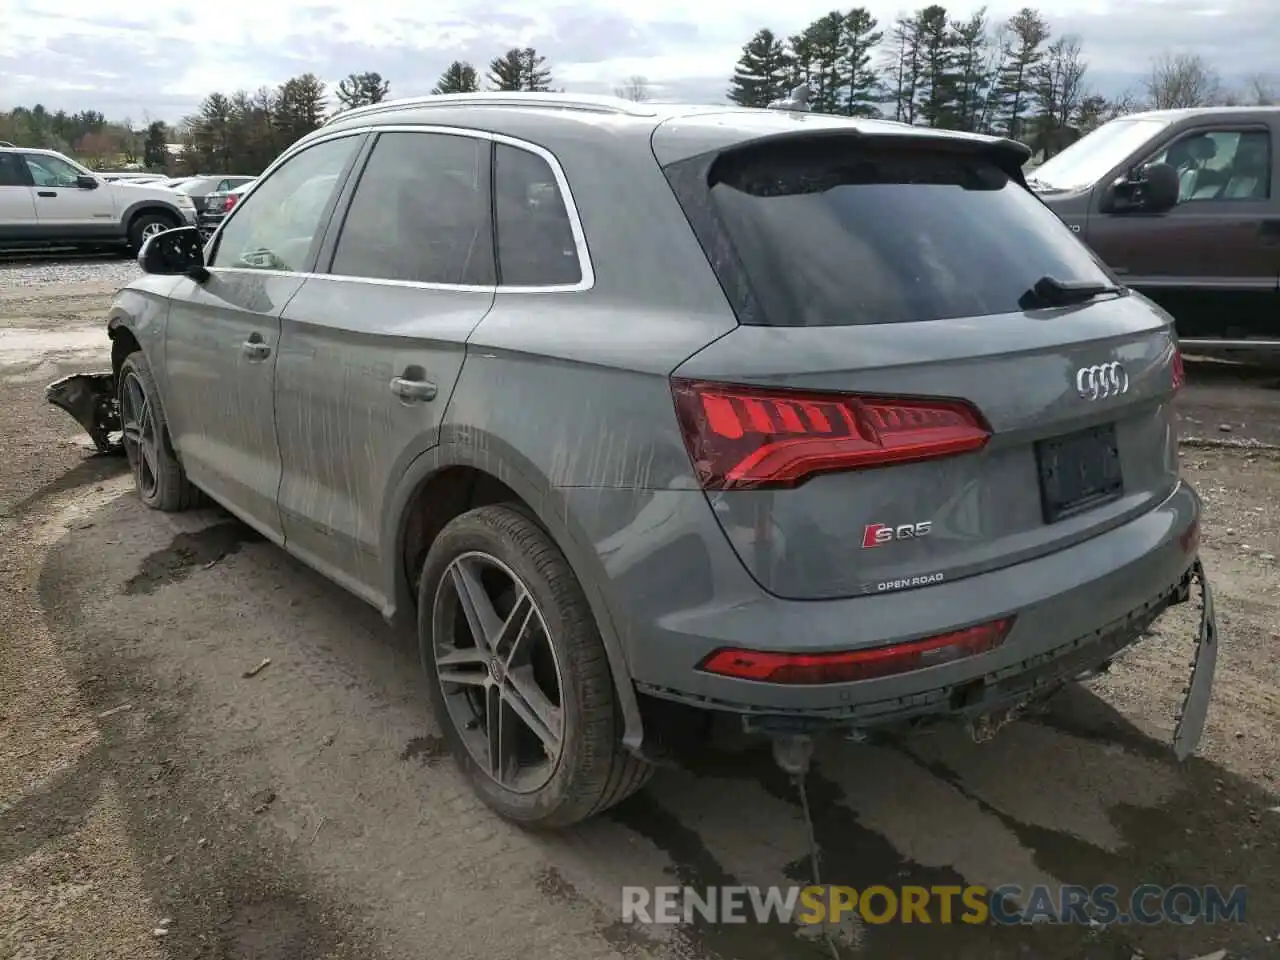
x=459, y=77
x=1023, y=51
x=938, y=108
x=824, y=41
x=904, y=68
x=972, y=51
x=860, y=38
x=507, y=71
x=299, y=107
x=535, y=76
x=762, y=73
x=154, y=152
x=362, y=89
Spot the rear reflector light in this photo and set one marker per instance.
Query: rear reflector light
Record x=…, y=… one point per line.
x=1179, y=375
x=228, y=203
x=845, y=667
x=742, y=437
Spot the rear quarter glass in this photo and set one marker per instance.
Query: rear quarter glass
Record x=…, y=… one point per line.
x=838, y=232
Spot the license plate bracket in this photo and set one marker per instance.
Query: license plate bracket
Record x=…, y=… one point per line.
x=1079, y=471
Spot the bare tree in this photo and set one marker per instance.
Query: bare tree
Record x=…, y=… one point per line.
x=633, y=88
x=1182, y=80
x=1262, y=91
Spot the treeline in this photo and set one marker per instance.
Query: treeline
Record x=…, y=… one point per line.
x=1013, y=77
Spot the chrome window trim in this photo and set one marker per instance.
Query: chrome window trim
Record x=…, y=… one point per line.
x=585, y=266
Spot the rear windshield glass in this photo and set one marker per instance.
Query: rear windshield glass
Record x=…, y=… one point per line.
x=839, y=234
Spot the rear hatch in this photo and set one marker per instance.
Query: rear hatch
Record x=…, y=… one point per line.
x=932, y=377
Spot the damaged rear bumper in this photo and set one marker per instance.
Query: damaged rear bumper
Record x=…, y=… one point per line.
x=90, y=398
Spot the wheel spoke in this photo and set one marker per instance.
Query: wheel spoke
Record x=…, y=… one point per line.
x=482, y=619
x=467, y=667
x=508, y=641
x=502, y=759
x=527, y=701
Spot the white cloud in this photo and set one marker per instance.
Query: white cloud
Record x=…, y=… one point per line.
x=162, y=57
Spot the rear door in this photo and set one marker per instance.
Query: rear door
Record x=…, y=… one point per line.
x=372, y=345
x=17, y=200
x=223, y=335
x=899, y=405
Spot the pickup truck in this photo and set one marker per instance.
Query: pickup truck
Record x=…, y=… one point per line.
x=1181, y=205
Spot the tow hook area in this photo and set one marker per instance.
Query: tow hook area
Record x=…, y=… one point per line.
x=91, y=399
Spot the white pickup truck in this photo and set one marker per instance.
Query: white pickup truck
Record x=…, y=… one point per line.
x=48, y=200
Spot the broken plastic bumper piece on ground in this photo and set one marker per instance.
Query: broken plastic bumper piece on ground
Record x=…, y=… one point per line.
x=91, y=399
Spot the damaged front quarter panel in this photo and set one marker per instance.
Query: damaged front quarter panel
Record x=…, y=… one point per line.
x=91, y=399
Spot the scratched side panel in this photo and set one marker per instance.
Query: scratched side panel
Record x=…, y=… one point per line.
x=343, y=434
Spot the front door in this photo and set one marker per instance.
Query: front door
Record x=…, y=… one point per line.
x=223, y=335
x=371, y=350
x=1211, y=256
x=65, y=209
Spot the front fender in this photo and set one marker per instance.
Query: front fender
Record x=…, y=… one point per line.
x=502, y=462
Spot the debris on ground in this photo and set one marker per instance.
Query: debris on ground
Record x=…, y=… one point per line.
x=114, y=710
x=266, y=662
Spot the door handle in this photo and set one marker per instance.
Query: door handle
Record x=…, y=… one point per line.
x=255, y=349
x=413, y=391
x=46, y=193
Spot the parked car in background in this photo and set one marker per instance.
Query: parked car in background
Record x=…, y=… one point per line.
x=640, y=413
x=203, y=188
x=47, y=199
x=217, y=206
x=1182, y=205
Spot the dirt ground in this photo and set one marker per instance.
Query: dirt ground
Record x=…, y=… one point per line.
x=155, y=802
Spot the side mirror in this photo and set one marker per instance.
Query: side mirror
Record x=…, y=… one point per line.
x=86, y=182
x=1160, y=187
x=176, y=252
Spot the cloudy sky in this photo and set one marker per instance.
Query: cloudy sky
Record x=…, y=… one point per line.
x=158, y=58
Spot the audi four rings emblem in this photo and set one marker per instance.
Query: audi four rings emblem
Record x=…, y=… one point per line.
x=1102, y=381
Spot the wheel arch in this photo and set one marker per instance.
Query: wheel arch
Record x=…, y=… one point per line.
x=453, y=477
x=150, y=205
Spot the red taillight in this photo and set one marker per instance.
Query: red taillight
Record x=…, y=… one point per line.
x=847, y=666
x=228, y=203
x=742, y=437
x=1179, y=375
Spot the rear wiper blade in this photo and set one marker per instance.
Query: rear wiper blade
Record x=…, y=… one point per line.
x=1052, y=292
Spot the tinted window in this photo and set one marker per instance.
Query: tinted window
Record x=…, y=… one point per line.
x=274, y=228
x=837, y=234
x=11, y=171
x=535, y=240
x=420, y=212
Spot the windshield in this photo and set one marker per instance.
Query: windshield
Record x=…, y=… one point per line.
x=1090, y=158
x=842, y=234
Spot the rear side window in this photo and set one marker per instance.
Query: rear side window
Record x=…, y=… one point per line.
x=420, y=213
x=536, y=247
x=831, y=234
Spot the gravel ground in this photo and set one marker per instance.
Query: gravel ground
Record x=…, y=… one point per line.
x=307, y=812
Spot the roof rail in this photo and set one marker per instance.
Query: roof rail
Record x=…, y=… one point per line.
x=562, y=101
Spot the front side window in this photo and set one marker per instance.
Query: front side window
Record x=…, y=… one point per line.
x=1220, y=165
x=832, y=233
x=275, y=227
x=536, y=247
x=420, y=213
x=51, y=171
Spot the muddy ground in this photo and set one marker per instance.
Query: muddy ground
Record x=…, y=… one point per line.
x=157, y=803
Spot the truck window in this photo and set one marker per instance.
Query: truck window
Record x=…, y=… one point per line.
x=1220, y=164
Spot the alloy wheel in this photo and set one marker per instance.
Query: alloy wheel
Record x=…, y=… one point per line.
x=141, y=438
x=498, y=672
x=152, y=230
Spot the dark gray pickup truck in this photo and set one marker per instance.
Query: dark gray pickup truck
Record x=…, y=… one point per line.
x=1182, y=206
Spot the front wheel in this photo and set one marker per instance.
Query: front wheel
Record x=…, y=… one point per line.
x=158, y=477
x=517, y=673
x=147, y=225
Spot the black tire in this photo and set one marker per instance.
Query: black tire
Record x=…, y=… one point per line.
x=594, y=771
x=144, y=220
x=171, y=491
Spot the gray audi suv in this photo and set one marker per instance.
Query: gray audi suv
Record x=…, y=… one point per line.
x=640, y=414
